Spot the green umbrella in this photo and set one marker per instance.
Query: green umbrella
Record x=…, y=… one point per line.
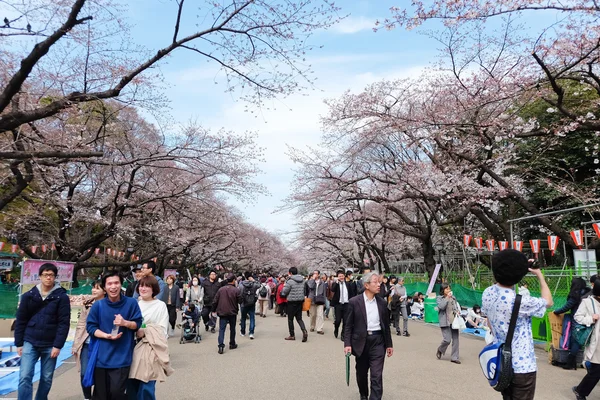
x=348, y=369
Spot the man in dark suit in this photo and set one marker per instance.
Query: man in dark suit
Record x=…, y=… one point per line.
x=367, y=335
x=343, y=291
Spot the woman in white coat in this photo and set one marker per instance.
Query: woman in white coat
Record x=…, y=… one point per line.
x=154, y=312
x=588, y=314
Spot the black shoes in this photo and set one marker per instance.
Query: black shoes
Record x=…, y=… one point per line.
x=206, y=326
x=335, y=333
x=220, y=350
x=456, y=361
x=577, y=395
x=438, y=354
x=232, y=346
x=304, y=336
x=212, y=330
x=398, y=333
x=406, y=334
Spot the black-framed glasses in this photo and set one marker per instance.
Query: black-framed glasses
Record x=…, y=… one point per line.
x=48, y=275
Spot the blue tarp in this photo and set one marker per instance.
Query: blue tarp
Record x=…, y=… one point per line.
x=10, y=382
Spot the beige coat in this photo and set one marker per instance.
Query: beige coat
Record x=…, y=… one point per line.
x=81, y=334
x=584, y=316
x=151, y=356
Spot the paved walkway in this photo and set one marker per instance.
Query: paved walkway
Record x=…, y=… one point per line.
x=270, y=368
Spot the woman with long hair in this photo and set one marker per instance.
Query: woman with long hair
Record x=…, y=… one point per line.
x=447, y=311
x=578, y=289
x=81, y=342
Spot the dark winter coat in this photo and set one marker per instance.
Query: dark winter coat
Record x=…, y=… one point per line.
x=43, y=323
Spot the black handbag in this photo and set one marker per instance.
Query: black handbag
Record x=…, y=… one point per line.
x=320, y=299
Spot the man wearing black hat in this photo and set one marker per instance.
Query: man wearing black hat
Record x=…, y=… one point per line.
x=226, y=306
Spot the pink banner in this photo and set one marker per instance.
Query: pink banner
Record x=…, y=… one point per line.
x=29, y=272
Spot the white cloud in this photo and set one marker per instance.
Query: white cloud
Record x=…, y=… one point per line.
x=351, y=25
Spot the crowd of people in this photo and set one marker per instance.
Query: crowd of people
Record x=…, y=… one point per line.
x=121, y=338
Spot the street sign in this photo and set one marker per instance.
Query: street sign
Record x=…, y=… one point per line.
x=6, y=264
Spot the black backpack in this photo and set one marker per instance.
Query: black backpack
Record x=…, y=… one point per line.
x=249, y=295
x=263, y=291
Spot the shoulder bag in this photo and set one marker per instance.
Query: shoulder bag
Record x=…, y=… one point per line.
x=583, y=334
x=496, y=358
x=88, y=377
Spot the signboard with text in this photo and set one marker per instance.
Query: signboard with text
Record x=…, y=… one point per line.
x=31, y=268
x=6, y=264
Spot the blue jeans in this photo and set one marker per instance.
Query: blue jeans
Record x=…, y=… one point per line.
x=31, y=354
x=327, y=307
x=223, y=321
x=138, y=390
x=83, y=362
x=250, y=311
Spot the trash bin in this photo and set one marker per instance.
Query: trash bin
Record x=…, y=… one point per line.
x=431, y=311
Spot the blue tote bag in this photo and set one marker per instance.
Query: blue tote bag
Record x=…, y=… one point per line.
x=88, y=378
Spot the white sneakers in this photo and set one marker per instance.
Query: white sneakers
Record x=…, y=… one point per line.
x=251, y=336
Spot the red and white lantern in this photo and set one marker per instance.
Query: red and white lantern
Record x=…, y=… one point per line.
x=490, y=244
x=578, y=238
x=33, y=249
x=97, y=251
x=503, y=245
x=553, y=243
x=478, y=243
x=53, y=246
x=535, y=245
x=44, y=248
x=518, y=245
x=467, y=240
x=2, y=245
x=13, y=248
x=596, y=229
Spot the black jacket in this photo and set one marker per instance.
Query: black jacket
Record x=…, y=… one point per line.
x=43, y=323
x=355, y=325
x=210, y=290
x=335, y=288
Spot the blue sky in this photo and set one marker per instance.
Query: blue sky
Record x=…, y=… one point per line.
x=353, y=56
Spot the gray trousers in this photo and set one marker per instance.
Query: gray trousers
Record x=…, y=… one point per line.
x=448, y=335
x=396, y=318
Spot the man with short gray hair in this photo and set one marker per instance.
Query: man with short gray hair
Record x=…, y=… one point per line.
x=399, y=296
x=367, y=336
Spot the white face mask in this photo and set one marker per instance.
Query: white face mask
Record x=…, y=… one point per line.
x=195, y=283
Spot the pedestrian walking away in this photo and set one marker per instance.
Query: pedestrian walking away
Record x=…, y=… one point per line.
x=264, y=293
x=226, y=306
x=368, y=337
x=41, y=329
x=509, y=267
x=248, y=289
x=293, y=291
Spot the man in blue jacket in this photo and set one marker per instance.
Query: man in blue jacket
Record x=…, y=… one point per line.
x=41, y=329
x=113, y=321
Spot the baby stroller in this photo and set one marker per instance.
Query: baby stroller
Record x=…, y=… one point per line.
x=189, y=325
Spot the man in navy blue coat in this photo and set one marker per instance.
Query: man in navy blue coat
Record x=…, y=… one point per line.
x=42, y=326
